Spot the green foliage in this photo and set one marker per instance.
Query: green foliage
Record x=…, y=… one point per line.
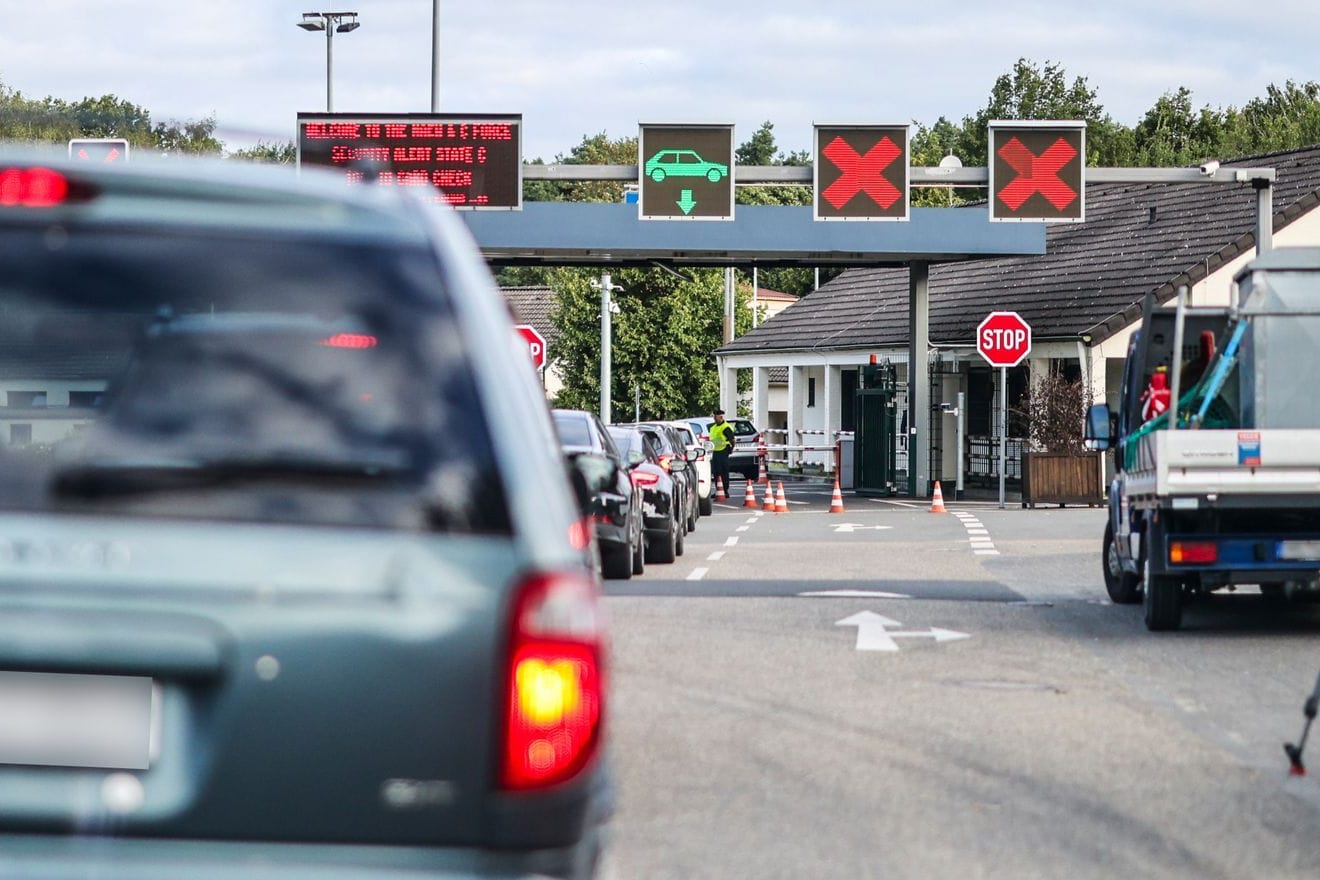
x=53, y=120
x=1030, y=91
x=663, y=339
x=597, y=149
x=285, y=153
x=760, y=149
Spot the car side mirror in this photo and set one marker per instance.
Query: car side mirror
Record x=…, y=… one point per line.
x=590, y=473
x=696, y=453
x=678, y=465
x=1099, y=428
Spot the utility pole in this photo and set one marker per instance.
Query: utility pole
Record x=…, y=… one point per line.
x=607, y=310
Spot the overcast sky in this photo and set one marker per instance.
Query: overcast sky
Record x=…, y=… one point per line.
x=580, y=67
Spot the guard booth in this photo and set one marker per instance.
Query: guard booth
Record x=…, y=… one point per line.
x=874, y=447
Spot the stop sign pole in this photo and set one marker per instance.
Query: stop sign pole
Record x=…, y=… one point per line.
x=1004, y=340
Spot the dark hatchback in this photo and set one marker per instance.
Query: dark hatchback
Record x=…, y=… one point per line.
x=607, y=496
x=661, y=507
x=674, y=459
x=289, y=584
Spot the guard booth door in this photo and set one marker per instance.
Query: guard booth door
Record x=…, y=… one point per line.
x=874, y=448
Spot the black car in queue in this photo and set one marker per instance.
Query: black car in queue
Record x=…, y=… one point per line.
x=606, y=493
x=674, y=458
x=661, y=505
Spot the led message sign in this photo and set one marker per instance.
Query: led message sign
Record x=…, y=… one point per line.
x=686, y=172
x=1038, y=171
x=470, y=161
x=862, y=172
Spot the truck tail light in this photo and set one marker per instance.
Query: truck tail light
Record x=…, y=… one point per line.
x=555, y=686
x=1193, y=552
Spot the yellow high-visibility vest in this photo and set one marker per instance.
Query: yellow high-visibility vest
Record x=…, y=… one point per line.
x=721, y=436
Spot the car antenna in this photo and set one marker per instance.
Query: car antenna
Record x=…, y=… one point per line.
x=1294, y=752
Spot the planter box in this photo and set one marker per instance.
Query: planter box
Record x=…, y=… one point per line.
x=1062, y=478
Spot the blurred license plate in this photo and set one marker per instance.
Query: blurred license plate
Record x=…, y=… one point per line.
x=58, y=720
x=1308, y=551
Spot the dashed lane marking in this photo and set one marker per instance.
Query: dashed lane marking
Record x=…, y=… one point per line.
x=697, y=574
x=731, y=541
x=716, y=556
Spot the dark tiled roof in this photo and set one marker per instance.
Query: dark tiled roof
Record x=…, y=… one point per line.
x=1092, y=279
x=532, y=305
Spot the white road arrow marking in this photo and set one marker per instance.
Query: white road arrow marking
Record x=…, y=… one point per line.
x=846, y=528
x=939, y=635
x=854, y=594
x=873, y=632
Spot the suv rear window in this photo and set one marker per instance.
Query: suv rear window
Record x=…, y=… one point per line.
x=278, y=379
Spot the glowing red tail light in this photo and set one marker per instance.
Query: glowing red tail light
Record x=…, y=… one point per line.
x=555, y=687
x=579, y=533
x=1193, y=552
x=644, y=478
x=665, y=459
x=349, y=340
x=32, y=188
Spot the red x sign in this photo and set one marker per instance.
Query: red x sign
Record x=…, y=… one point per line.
x=862, y=173
x=1036, y=170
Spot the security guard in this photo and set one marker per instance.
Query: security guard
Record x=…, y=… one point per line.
x=721, y=441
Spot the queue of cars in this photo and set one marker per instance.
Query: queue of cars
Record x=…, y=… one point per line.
x=648, y=498
x=293, y=581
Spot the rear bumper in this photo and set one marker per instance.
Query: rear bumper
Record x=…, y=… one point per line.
x=41, y=857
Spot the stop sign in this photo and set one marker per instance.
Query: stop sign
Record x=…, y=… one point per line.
x=1003, y=339
x=535, y=344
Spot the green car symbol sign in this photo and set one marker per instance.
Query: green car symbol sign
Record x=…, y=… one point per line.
x=683, y=163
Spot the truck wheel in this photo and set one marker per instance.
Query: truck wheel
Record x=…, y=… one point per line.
x=1123, y=588
x=1162, y=597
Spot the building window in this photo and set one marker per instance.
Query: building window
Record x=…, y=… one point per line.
x=25, y=398
x=811, y=391
x=20, y=435
x=85, y=399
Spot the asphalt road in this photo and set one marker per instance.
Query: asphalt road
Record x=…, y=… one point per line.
x=1004, y=720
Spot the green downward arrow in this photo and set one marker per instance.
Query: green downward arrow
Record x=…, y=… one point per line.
x=687, y=203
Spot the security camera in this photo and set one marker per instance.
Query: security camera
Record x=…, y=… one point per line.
x=1209, y=168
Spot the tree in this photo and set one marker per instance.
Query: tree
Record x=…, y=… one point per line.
x=1284, y=119
x=1172, y=133
x=598, y=149
x=663, y=338
x=285, y=153
x=760, y=149
x=1029, y=91
x=53, y=120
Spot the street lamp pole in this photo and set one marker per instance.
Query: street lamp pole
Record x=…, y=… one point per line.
x=330, y=22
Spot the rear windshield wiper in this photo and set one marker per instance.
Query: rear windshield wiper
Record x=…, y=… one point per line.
x=95, y=479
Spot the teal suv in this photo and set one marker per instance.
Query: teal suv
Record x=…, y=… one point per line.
x=292, y=575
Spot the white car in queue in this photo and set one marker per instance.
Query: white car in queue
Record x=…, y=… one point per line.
x=699, y=454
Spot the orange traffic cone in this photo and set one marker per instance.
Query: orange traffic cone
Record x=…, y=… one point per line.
x=937, y=501
x=836, y=502
x=719, y=491
x=769, y=502
x=781, y=503
x=749, y=496
x=761, y=476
